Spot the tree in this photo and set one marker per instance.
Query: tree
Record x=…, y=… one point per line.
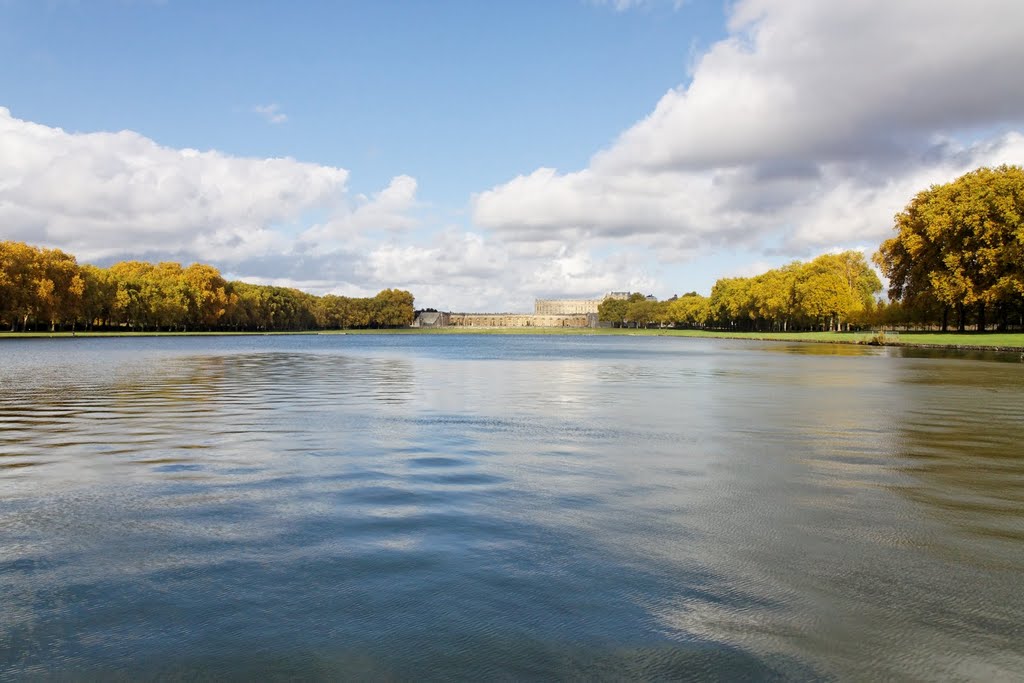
x=834, y=287
x=48, y=286
x=58, y=286
x=17, y=293
x=392, y=308
x=691, y=310
x=206, y=294
x=730, y=302
x=98, y=297
x=961, y=244
x=132, y=297
x=612, y=311
x=773, y=296
x=640, y=311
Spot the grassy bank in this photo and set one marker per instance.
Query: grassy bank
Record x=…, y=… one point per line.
x=970, y=340
x=47, y=335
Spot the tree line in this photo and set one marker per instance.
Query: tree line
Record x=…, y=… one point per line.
x=46, y=289
x=958, y=253
x=832, y=292
x=957, y=256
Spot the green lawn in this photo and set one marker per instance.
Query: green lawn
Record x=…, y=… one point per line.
x=37, y=335
x=994, y=340
x=969, y=339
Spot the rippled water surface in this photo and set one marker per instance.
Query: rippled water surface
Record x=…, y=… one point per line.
x=508, y=507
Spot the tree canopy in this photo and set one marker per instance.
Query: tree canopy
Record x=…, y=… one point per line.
x=829, y=292
x=958, y=249
x=48, y=288
x=960, y=246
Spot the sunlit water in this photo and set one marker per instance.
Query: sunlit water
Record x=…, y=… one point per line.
x=480, y=507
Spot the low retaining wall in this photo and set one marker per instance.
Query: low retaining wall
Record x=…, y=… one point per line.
x=519, y=320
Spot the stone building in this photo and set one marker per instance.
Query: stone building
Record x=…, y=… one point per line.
x=565, y=306
x=573, y=306
x=520, y=320
x=546, y=313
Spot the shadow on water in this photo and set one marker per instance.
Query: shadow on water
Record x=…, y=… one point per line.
x=960, y=469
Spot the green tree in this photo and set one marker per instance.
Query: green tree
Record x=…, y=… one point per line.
x=612, y=311
x=641, y=312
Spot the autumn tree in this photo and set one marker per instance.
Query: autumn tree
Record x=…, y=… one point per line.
x=17, y=291
x=99, y=296
x=58, y=286
x=730, y=302
x=690, y=310
x=961, y=244
x=833, y=287
x=393, y=308
x=206, y=294
x=641, y=312
x=612, y=311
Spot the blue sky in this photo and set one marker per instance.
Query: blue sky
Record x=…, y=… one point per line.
x=483, y=153
x=458, y=94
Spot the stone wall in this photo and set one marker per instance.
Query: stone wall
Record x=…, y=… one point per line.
x=518, y=320
x=565, y=306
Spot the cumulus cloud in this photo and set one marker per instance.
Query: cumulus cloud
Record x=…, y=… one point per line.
x=113, y=196
x=271, y=112
x=387, y=210
x=107, y=195
x=470, y=271
x=810, y=124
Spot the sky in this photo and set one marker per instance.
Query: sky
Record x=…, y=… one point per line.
x=482, y=154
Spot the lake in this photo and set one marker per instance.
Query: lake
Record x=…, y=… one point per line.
x=428, y=507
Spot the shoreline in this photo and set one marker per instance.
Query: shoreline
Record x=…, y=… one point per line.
x=997, y=341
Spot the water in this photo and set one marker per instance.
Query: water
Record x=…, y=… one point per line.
x=508, y=507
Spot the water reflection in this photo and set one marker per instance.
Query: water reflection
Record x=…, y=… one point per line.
x=520, y=508
x=964, y=470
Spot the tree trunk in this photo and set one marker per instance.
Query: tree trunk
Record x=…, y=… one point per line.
x=961, y=323
x=981, y=316
x=945, y=318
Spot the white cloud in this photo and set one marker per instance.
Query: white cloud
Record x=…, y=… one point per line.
x=811, y=124
x=387, y=210
x=271, y=112
x=112, y=196
x=835, y=80
x=806, y=129
x=109, y=195
x=468, y=271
